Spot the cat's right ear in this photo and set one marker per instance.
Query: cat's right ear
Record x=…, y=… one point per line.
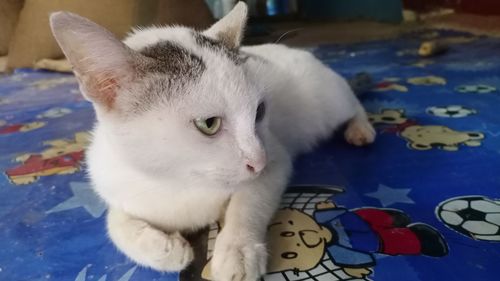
x=229, y=30
x=101, y=62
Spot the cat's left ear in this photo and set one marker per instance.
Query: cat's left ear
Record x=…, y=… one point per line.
x=229, y=30
x=102, y=63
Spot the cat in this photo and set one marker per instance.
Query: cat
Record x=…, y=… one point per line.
x=192, y=128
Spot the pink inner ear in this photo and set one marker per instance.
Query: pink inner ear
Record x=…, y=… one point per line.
x=107, y=92
x=101, y=89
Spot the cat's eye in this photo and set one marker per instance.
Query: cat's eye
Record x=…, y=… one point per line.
x=261, y=111
x=209, y=126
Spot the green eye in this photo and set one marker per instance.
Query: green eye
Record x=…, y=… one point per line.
x=208, y=126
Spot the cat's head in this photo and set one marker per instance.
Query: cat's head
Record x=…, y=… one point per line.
x=172, y=101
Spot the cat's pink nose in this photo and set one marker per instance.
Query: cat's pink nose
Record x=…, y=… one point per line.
x=250, y=168
x=256, y=167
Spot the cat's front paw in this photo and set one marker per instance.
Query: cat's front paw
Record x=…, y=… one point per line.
x=237, y=259
x=359, y=132
x=164, y=252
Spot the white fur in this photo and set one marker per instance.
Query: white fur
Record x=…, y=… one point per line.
x=161, y=177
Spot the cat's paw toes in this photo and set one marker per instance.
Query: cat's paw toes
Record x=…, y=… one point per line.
x=165, y=252
x=238, y=261
x=360, y=133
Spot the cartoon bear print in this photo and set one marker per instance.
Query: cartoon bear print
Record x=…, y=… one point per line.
x=390, y=85
x=427, y=80
x=20, y=128
x=423, y=137
x=388, y=116
x=62, y=157
x=428, y=137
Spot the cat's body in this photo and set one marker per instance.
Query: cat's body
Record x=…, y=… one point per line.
x=159, y=175
x=304, y=90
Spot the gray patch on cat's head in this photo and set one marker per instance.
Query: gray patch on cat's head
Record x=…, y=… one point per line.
x=173, y=60
x=166, y=68
x=217, y=46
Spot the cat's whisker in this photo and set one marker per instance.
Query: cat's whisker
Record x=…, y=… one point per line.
x=286, y=33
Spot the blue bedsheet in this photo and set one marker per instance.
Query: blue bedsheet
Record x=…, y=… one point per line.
x=418, y=204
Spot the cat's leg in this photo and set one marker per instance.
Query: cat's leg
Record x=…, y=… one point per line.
x=359, y=130
x=240, y=252
x=147, y=245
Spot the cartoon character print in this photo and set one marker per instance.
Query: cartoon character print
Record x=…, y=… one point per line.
x=394, y=83
x=424, y=137
x=287, y=261
x=303, y=241
x=390, y=84
x=6, y=129
x=474, y=216
x=350, y=238
x=388, y=116
x=428, y=137
x=62, y=157
x=393, y=120
x=296, y=241
x=55, y=112
x=427, y=80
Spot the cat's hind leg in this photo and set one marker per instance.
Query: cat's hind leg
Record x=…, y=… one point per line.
x=147, y=245
x=359, y=130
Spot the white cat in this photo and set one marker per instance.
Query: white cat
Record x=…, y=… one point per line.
x=192, y=128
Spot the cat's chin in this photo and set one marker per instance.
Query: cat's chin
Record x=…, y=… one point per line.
x=223, y=178
x=231, y=182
